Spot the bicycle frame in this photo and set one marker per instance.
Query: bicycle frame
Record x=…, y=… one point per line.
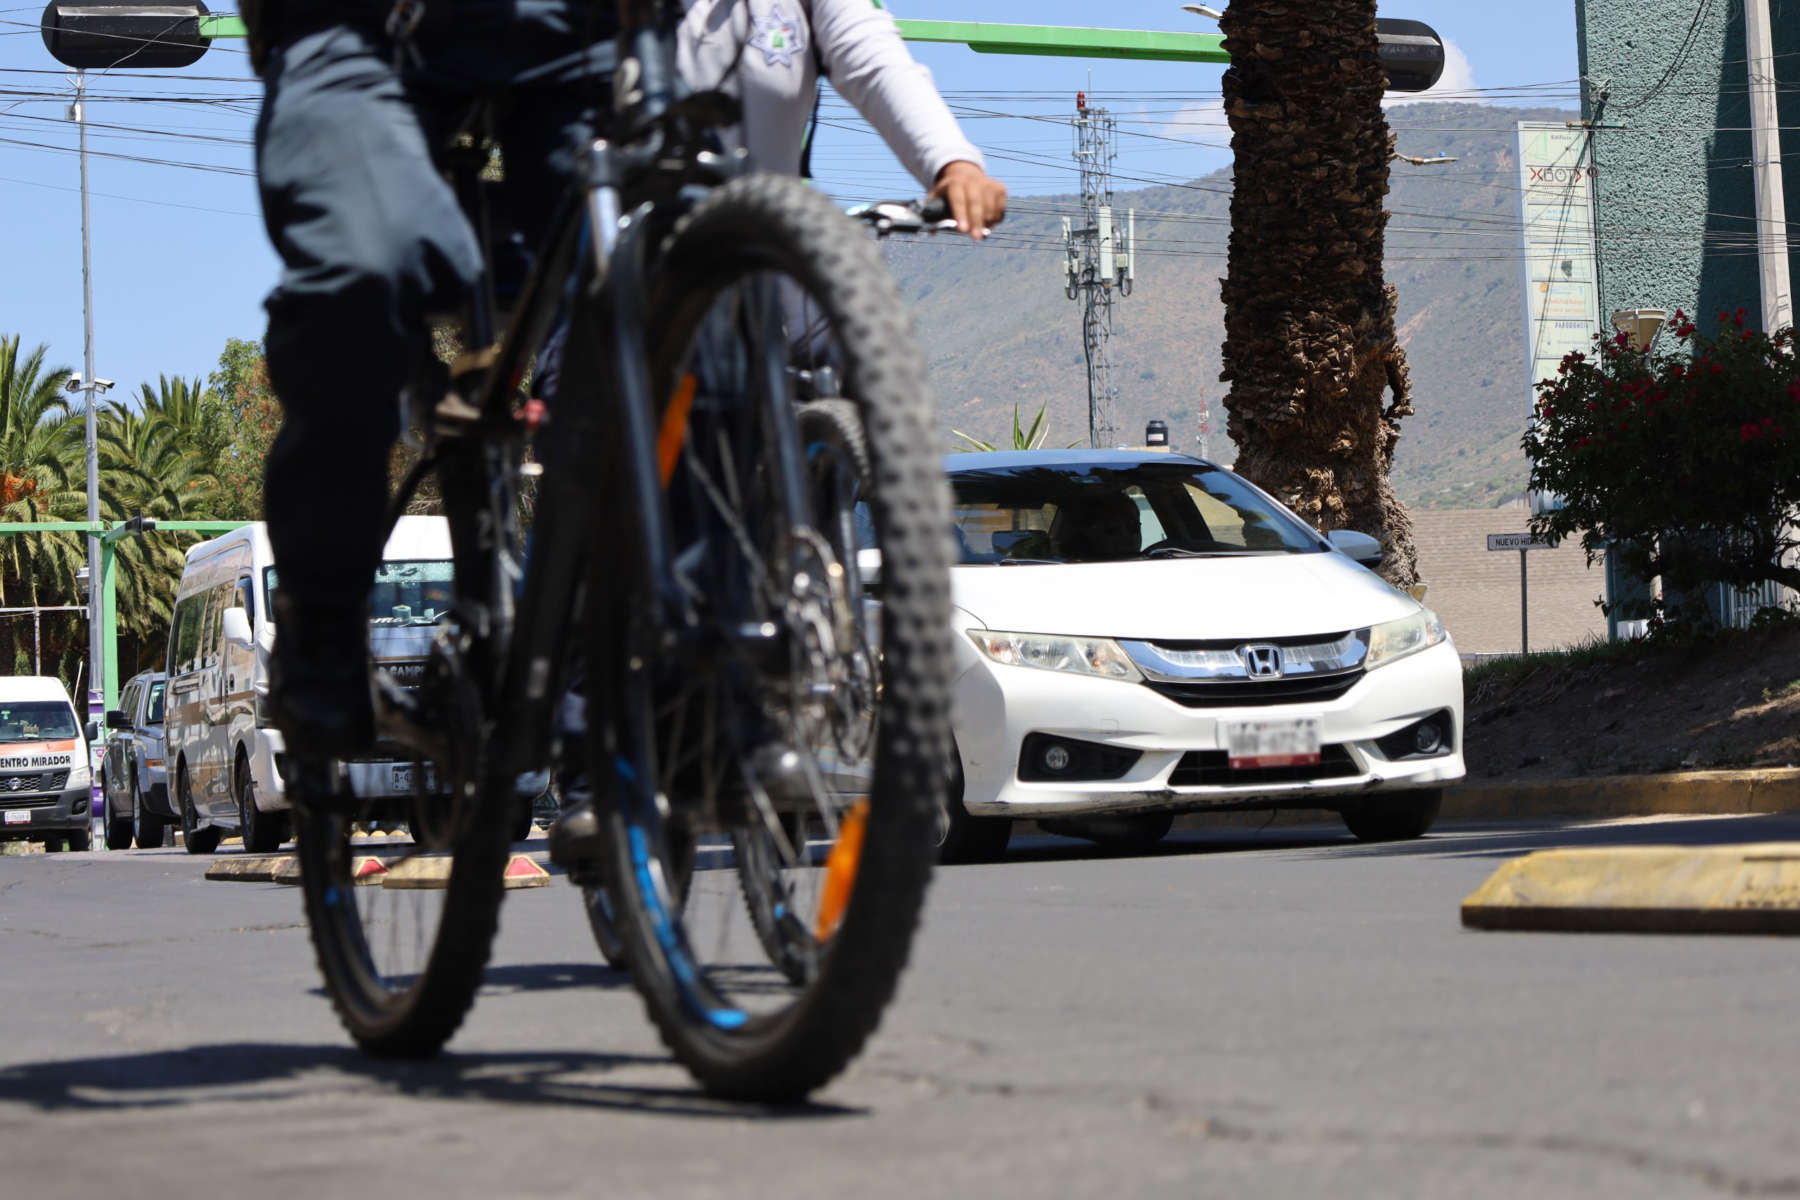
x=519, y=647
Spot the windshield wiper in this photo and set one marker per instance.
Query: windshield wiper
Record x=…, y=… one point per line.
x=1180, y=552
x=1029, y=562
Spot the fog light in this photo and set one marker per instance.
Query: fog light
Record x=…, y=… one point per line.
x=1427, y=737
x=1056, y=758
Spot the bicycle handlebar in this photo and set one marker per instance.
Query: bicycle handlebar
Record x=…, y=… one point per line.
x=926, y=215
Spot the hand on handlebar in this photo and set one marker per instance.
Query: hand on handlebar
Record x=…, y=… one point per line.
x=977, y=200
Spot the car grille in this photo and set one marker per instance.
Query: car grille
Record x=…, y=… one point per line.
x=1212, y=768
x=48, y=781
x=1233, y=693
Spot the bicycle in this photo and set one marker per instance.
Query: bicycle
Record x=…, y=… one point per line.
x=734, y=670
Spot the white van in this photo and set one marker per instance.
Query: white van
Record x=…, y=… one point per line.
x=44, y=775
x=221, y=744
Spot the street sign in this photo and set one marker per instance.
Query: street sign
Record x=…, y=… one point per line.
x=1521, y=542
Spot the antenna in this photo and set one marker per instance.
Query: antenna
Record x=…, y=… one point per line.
x=1097, y=260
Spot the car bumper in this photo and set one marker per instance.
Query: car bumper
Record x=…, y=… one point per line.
x=371, y=779
x=999, y=706
x=64, y=813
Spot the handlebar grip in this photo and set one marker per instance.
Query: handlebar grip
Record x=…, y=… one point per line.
x=934, y=210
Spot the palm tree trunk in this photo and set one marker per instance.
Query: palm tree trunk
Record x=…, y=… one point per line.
x=1310, y=349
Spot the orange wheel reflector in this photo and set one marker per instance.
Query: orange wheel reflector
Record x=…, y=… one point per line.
x=673, y=435
x=840, y=869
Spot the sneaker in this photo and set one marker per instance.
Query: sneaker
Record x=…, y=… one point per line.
x=576, y=843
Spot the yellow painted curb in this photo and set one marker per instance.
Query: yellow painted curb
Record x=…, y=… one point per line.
x=1697, y=793
x=364, y=872
x=433, y=871
x=426, y=871
x=249, y=868
x=1644, y=889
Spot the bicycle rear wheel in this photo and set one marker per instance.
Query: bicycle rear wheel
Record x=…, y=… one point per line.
x=767, y=954
x=402, y=927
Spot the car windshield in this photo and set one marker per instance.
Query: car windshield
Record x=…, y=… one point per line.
x=36, y=721
x=406, y=591
x=153, y=707
x=1103, y=512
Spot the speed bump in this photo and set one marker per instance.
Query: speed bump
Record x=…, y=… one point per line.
x=1644, y=889
x=250, y=868
x=433, y=871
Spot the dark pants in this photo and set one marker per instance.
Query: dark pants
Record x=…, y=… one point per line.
x=372, y=240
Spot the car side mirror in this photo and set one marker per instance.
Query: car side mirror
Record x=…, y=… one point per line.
x=868, y=565
x=116, y=719
x=1358, y=546
x=237, y=627
x=92, y=731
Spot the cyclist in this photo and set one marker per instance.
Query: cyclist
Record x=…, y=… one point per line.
x=358, y=98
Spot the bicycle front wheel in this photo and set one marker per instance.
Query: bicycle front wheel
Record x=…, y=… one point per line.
x=776, y=782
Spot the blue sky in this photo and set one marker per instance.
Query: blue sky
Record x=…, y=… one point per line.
x=181, y=262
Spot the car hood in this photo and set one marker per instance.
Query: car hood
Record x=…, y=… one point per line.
x=1262, y=596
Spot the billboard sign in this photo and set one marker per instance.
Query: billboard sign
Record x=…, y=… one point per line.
x=1561, y=275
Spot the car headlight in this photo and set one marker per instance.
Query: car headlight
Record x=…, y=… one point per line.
x=1395, y=640
x=1100, y=657
x=80, y=776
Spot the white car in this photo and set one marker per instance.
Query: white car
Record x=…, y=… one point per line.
x=1141, y=634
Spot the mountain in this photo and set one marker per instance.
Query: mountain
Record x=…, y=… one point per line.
x=998, y=329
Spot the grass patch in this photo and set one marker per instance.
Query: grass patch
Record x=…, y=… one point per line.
x=1513, y=668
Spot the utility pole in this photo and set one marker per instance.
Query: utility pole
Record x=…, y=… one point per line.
x=1097, y=261
x=1205, y=425
x=1765, y=158
x=96, y=649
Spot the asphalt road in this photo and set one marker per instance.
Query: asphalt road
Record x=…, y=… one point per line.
x=1284, y=1013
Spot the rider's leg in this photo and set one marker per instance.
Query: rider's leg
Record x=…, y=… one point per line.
x=371, y=240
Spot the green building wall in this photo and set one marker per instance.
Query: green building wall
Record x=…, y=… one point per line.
x=1667, y=87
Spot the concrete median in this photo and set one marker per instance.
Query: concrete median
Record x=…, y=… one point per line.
x=1644, y=889
x=1682, y=793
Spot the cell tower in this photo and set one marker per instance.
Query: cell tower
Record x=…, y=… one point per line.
x=1098, y=261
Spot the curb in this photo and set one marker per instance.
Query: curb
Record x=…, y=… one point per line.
x=251, y=868
x=1644, y=889
x=1691, y=793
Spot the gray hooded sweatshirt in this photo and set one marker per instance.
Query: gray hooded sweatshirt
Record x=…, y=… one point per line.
x=769, y=54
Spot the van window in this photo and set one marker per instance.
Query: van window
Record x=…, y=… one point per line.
x=184, y=634
x=36, y=720
x=406, y=591
x=153, y=707
x=211, y=630
x=246, y=600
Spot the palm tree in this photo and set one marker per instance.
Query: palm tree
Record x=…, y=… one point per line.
x=1310, y=348
x=37, y=473
x=151, y=466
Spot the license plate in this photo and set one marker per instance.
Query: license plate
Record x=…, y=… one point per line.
x=405, y=773
x=1291, y=742
x=18, y=816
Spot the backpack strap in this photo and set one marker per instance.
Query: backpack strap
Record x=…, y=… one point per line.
x=812, y=122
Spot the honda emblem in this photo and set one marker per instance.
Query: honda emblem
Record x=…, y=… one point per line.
x=1262, y=662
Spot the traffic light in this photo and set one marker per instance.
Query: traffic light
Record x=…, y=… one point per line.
x=97, y=34
x=1411, y=53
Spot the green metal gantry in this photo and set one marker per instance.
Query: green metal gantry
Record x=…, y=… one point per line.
x=988, y=37
x=110, y=532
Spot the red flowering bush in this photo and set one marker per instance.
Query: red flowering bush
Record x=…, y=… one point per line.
x=1684, y=462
